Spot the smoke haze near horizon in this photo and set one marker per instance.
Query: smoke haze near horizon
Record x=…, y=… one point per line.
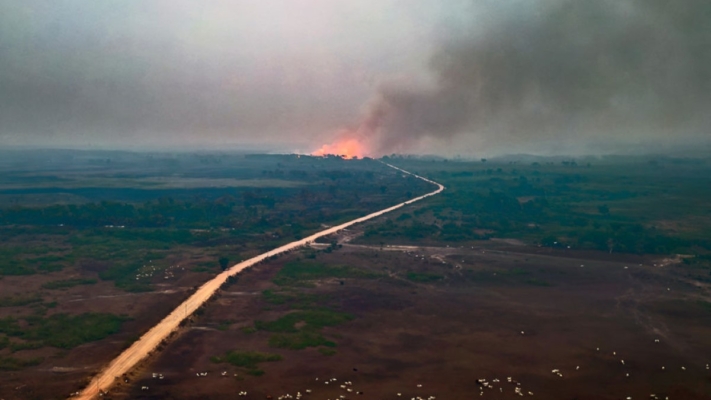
x=455, y=77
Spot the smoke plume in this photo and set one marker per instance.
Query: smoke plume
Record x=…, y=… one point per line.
x=551, y=72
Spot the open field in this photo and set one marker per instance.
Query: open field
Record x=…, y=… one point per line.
x=182, y=313
x=80, y=282
x=443, y=317
x=436, y=294
x=439, y=296
x=640, y=205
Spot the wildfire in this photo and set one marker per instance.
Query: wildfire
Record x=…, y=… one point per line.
x=347, y=148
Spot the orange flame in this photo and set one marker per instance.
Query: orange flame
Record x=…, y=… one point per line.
x=347, y=148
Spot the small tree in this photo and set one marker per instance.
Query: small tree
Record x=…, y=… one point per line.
x=224, y=262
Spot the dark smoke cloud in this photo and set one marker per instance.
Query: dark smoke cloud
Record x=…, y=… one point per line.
x=503, y=75
x=279, y=74
x=559, y=75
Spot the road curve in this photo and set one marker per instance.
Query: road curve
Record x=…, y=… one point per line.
x=151, y=339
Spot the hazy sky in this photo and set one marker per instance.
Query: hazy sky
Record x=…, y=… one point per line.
x=450, y=77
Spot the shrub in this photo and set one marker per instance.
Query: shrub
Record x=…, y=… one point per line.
x=19, y=301
x=67, y=283
x=246, y=359
x=299, y=341
x=424, y=277
x=298, y=270
x=63, y=330
x=326, y=351
x=314, y=319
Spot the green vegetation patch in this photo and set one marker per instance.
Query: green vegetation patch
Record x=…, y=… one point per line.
x=19, y=301
x=15, y=268
x=299, y=270
x=246, y=359
x=63, y=330
x=17, y=346
x=68, y=283
x=293, y=299
x=312, y=320
x=124, y=277
x=255, y=372
x=272, y=297
x=14, y=364
x=424, y=277
x=538, y=282
x=299, y=341
x=28, y=260
x=619, y=205
x=225, y=325
x=326, y=351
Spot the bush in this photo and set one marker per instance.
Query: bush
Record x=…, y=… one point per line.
x=326, y=352
x=67, y=283
x=13, y=364
x=295, y=271
x=63, y=330
x=424, y=277
x=124, y=277
x=255, y=372
x=246, y=359
x=19, y=301
x=294, y=300
x=314, y=319
x=299, y=341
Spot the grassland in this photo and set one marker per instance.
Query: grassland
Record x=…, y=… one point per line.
x=249, y=360
x=96, y=266
x=312, y=320
x=498, y=277
x=95, y=247
x=61, y=330
x=67, y=283
x=300, y=272
x=638, y=205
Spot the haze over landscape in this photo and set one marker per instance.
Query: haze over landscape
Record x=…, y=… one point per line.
x=428, y=77
x=340, y=199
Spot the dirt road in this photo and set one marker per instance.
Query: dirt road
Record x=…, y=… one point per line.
x=151, y=339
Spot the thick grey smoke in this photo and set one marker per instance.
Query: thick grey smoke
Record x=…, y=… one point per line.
x=211, y=73
x=503, y=75
x=566, y=75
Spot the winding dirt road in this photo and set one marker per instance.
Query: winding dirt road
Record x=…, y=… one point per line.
x=151, y=339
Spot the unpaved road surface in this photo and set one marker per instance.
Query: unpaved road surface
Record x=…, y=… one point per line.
x=151, y=339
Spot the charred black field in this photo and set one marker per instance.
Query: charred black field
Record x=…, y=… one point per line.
x=554, y=278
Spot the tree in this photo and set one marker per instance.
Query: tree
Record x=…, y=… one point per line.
x=224, y=262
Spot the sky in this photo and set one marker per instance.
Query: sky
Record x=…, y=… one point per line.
x=455, y=77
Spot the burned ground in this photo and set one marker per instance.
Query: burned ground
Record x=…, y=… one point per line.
x=83, y=276
x=489, y=311
x=513, y=272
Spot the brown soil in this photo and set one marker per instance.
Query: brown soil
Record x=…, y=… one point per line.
x=66, y=371
x=498, y=312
